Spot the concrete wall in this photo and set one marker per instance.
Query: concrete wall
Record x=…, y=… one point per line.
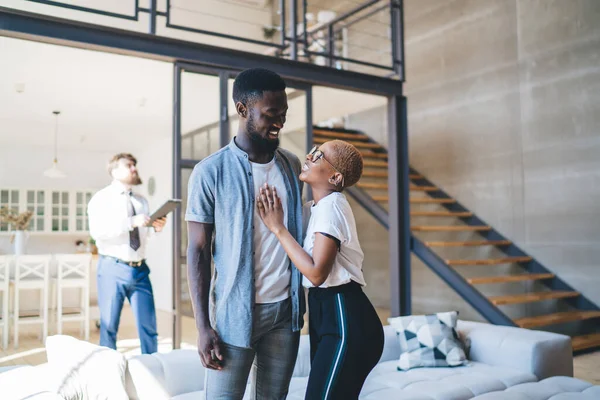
x=504, y=101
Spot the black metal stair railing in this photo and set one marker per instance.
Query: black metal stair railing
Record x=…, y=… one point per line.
x=471, y=295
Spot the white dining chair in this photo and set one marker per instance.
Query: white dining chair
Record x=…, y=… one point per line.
x=5, y=262
x=32, y=272
x=73, y=272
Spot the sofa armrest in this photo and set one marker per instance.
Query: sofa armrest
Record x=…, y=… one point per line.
x=145, y=378
x=161, y=376
x=543, y=354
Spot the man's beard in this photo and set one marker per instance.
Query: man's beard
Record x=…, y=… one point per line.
x=134, y=180
x=264, y=145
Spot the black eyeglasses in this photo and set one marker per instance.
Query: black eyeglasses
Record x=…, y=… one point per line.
x=315, y=155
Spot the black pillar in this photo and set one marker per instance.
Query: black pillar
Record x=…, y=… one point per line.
x=399, y=215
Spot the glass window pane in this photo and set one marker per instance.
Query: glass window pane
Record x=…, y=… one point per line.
x=31, y=225
x=79, y=211
x=4, y=196
x=55, y=225
x=54, y=211
x=40, y=196
x=79, y=225
x=65, y=211
x=40, y=210
x=79, y=197
x=55, y=197
x=87, y=225
x=65, y=197
x=30, y=196
x=15, y=196
x=195, y=88
x=88, y=197
x=30, y=208
x=40, y=224
x=65, y=225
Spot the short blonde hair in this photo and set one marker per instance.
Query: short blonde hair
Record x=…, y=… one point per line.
x=347, y=160
x=114, y=161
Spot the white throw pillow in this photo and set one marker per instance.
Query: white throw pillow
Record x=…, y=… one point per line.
x=85, y=371
x=428, y=341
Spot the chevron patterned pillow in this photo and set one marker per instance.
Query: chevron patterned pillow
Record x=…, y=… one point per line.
x=428, y=341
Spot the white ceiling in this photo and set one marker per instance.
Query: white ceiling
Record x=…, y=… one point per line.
x=112, y=102
x=106, y=100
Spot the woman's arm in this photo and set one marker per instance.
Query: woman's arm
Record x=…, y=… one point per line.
x=315, y=268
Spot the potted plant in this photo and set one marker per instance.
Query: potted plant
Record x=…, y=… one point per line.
x=92, y=246
x=19, y=223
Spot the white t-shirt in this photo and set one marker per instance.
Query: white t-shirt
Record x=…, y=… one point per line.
x=333, y=216
x=272, y=272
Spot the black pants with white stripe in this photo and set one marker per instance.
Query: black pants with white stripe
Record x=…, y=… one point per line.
x=346, y=341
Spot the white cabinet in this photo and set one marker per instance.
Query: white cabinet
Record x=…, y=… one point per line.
x=54, y=211
x=9, y=199
x=36, y=202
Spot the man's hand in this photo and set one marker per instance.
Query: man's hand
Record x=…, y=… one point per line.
x=209, y=349
x=159, y=224
x=140, y=220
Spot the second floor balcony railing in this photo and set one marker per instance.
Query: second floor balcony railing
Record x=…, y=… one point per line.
x=359, y=36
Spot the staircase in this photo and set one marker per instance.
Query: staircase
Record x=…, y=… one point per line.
x=491, y=284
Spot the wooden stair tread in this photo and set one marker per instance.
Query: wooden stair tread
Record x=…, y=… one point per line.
x=483, y=280
x=415, y=176
x=372, y=185
x=470, y=243
x=531, y=297
x=384, y=186
x=355, y=143
x=339, y=135
x=423, y=188
x=556, y=318
x=375, y=174
x=457, y=228
x=490, y=261
x=585, y=342
x=382, y=199
x=441, y=214
x=432, y=201
x=372, y=154
x=372, y=163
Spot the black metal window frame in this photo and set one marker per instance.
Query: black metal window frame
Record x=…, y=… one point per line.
x=215, y=60
x=224, y=75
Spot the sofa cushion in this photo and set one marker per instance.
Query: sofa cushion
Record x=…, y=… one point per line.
x=81, y=370
x=555, y=388
x=428, y=340
x=26, y=382
x=458, y=383
x=199, y=395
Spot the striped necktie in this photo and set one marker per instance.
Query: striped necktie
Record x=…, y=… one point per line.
x=134, y=235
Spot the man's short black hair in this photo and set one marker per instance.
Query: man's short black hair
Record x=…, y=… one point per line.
x=250, y=85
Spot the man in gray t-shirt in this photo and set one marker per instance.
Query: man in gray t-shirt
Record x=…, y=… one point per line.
x=251, y=309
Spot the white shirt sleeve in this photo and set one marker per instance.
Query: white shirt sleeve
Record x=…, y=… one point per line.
x=105, y=223
x=331, y=220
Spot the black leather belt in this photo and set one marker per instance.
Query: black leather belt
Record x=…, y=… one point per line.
x=130, y=263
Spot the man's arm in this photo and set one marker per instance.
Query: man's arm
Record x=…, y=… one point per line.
x=199, y=276
x=105, y=224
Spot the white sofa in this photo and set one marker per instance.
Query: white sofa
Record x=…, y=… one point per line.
x=505, y=363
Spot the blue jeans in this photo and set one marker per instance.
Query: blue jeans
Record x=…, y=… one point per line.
x=117, y=281
x=272, y=358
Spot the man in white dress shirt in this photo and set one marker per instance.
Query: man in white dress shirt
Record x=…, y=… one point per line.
x=119, y=224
